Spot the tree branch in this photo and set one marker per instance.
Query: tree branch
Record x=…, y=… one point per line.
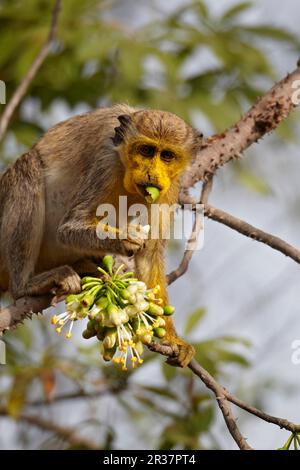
x=264, y=116
x=223, y=396
x=23, y=308
x=21, y=91
x=218, y=391
x=192, y=242
x=252, y=232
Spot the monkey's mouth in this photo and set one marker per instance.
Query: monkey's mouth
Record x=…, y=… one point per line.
x=142, y=188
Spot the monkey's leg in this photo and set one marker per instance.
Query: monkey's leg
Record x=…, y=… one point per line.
x=150, y=264
x=21, y=235
x=59, y=281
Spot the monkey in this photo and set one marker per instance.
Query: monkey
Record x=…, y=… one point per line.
x=49, y=198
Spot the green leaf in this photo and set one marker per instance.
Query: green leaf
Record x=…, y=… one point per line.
x=194, y=319
x=272, y=32
x=184, y=431
x=236, y=10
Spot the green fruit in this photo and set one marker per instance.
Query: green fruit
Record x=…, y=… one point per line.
x=153, y=192
x=169, y=310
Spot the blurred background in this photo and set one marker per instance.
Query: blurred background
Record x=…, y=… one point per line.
x=239, y=302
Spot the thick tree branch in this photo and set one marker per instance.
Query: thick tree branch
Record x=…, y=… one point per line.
x=66, y=433
x=250, y=231
x=23, y=308
x=264, y=116
x=21, y=91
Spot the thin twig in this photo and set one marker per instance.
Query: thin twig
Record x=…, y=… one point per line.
x=63, y=432
x=193, y=240
x=222, y=394
x=250, y=231
x=79, y=395
x=21, y=91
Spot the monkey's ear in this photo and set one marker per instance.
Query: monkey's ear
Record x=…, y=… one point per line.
x=198, y=136
x=120, y=131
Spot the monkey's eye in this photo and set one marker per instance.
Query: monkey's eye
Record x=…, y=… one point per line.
x=147, y=150
x=167, y=155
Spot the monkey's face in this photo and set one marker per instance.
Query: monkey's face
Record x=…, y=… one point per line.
x=155, y=163
x=155, y=148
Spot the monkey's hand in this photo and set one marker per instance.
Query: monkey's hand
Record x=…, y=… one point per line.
x=134, y=241
x=183, y=352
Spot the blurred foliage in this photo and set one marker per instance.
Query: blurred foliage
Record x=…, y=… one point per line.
x=44, y=370
x=99, y=58
x=187, y=61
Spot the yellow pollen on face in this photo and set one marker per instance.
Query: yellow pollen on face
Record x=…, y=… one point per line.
x=54, y=320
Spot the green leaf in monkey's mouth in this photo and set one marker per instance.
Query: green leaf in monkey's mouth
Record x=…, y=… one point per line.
x=153, y=194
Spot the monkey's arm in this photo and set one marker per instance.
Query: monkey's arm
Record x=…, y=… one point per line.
x=149, y=265
x=81, y=230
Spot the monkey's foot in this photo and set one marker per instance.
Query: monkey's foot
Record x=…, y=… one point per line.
x=66, y=281
x=132, y=245
x=183, y=352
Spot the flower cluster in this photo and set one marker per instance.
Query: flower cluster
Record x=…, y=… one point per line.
x=122, y=312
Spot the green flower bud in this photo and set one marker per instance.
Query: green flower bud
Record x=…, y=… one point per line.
x=91, y=324
x=125, y=294
x=147, y=338
x=101, y=333
x=102, y=302
x=112, y=309
x=108, y=263
x=141, y=286
x=139, y=347
x=131, y=310
x=159, y=332
x=132, y=288
x=110, y=338
x=87, y=334
x=155, y=309
x=159, y=322
x=107, y=354
x=87, y=301
x=169, y=310
x=142, y=306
